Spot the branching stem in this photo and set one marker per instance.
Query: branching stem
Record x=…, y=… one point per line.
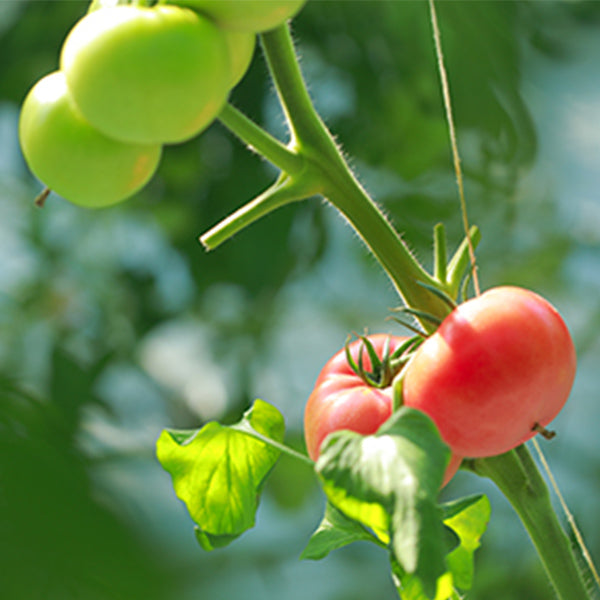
x=260, y=141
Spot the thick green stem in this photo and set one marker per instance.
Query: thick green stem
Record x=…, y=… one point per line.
x=313, y=140
x=306, y=126
x=517, y=476
x=343, y=191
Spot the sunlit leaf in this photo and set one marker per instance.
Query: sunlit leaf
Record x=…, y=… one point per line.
x=468, y=518
x=335, y=531
x=389, y=482
x=410, y=587
x=218, y=471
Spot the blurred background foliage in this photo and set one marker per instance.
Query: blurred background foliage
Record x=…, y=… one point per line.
x=115, y=324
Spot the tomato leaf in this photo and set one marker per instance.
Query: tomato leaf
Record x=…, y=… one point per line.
x=410, y=587
x=389, y=482
x=335, y=531
x=218, y=471
x=468, y=518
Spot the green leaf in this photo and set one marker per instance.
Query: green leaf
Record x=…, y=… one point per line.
x=218, y=471
x=389, y=482
x=410, y=587
x=335, y=531
x=468, y=518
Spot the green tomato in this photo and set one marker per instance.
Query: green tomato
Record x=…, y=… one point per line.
x=147, y=75
x=241, y=48
x=73, y=158
x=246, y=15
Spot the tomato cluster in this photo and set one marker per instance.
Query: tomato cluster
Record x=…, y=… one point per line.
x=133, y=78
x=498, y=369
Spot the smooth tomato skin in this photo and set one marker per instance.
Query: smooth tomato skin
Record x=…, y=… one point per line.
x=240, y=45
x=147, y=74
x=341, y=400
x=496, y=366
x=246, y=15
x=74, y=159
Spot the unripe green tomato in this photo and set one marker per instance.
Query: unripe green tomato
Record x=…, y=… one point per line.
x=147, y=75
x=241, y=48
x=246, y=15
x=73, y=158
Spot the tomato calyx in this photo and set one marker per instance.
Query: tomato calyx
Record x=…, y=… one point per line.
x=422, y=316
x=383, y=369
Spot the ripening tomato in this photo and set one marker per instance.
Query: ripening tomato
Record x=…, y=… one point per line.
x=156, y=74
x=246, y=15
x=74, y=159
x=341, y=399
x=241, y=48
x=497, y=366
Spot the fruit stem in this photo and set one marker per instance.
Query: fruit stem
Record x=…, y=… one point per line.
x=518, y=478
x=284, y=191
x=260, y=141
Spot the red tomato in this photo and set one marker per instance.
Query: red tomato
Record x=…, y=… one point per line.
x=342, y=400
x=498, y=365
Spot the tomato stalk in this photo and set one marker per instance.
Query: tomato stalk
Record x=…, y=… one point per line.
x=312, y=157
x=312, y=138
x=519, y=479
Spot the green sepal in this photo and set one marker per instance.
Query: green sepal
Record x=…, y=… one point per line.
x=218, y=471
x=461, y=262
x=441, y=294
x=421, y=315
x=384, y=369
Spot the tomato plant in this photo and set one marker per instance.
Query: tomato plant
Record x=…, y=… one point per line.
x=246, y=15
x=147, y=74
x=342, y=399
x=390, y=418
x=73, y=158
x=499, y=367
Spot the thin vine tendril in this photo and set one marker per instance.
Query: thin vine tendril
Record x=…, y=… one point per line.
x=568, y=514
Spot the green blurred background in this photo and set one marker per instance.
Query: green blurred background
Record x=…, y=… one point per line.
x=115, y=324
